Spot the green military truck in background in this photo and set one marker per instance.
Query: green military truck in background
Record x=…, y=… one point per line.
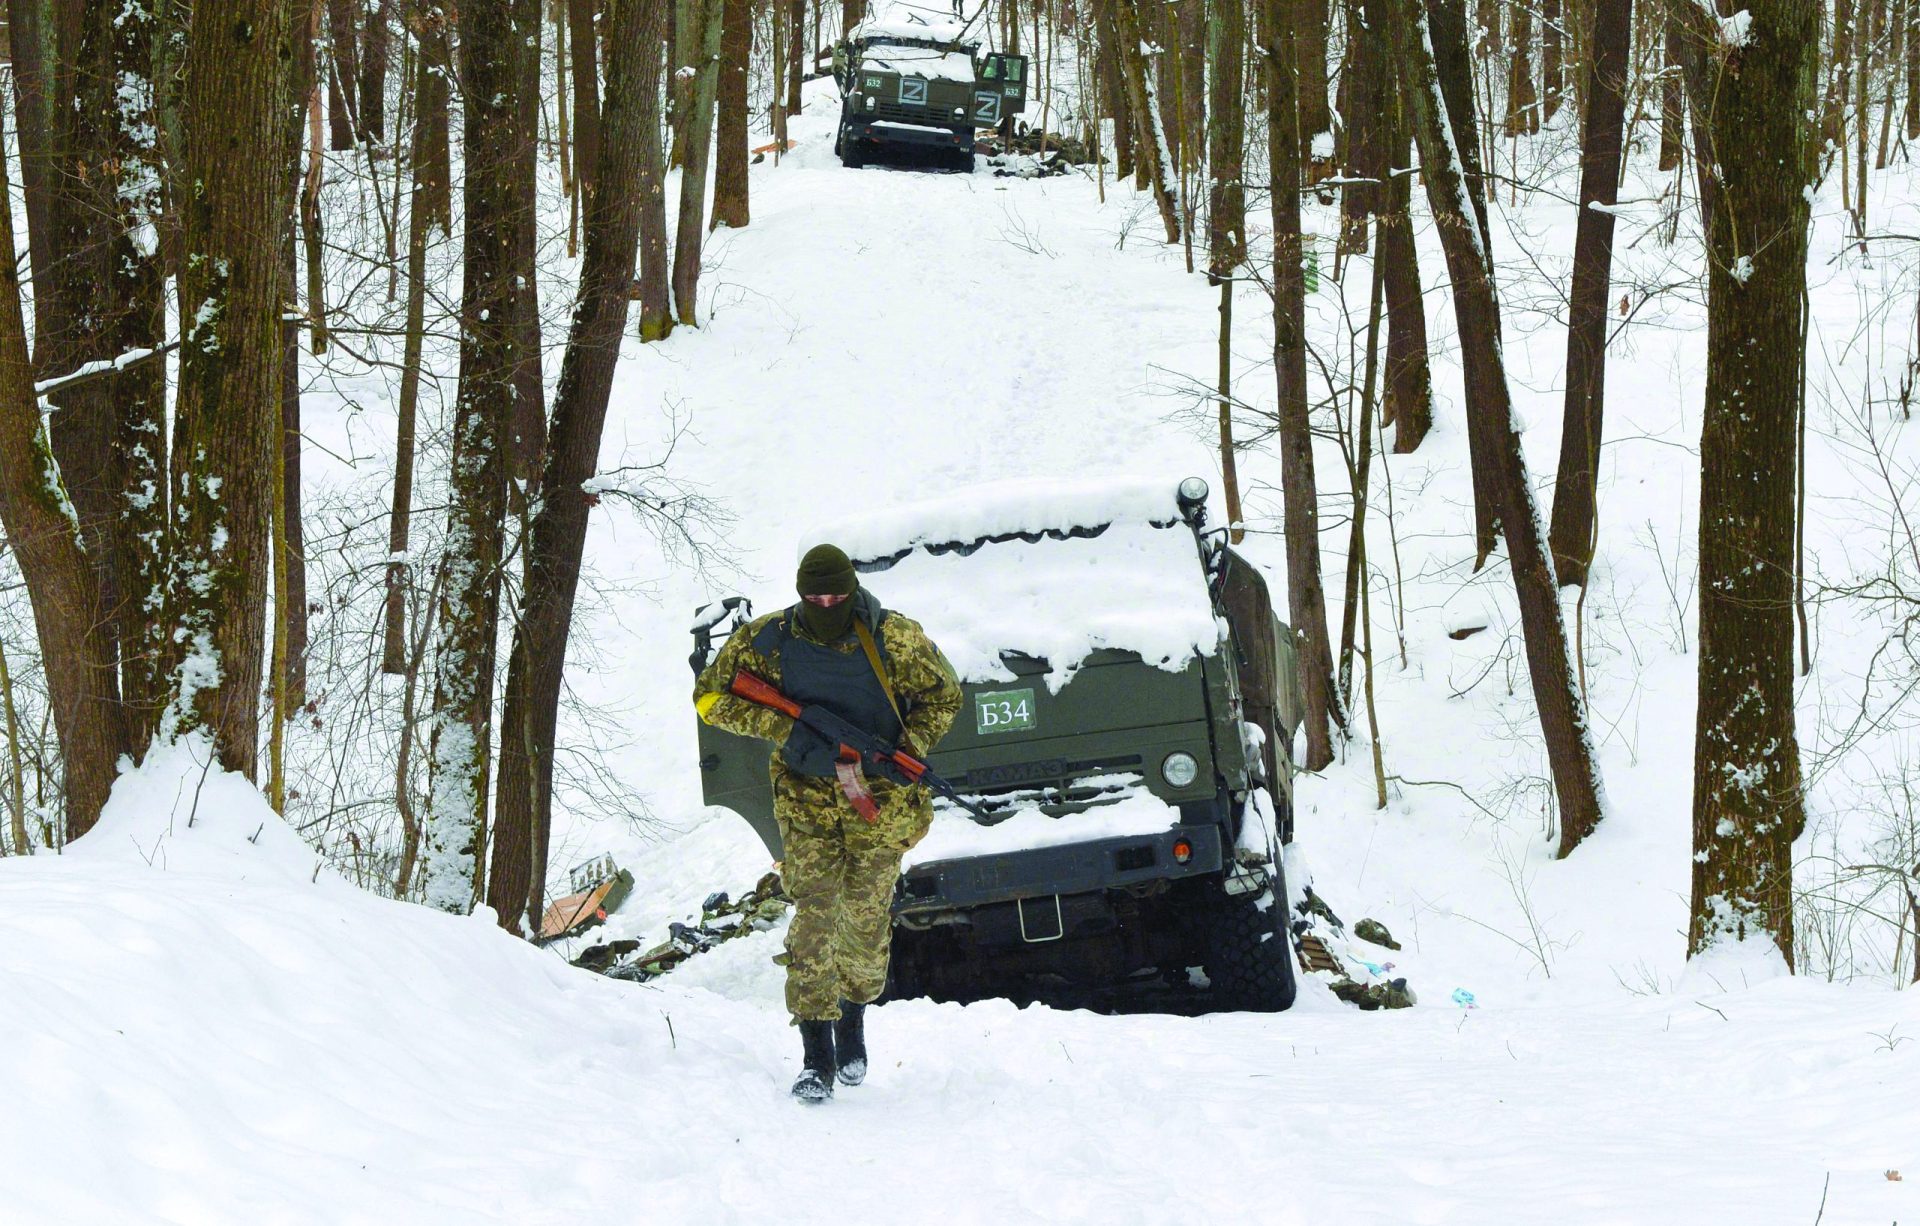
x=1160, y=785
x=917, y=85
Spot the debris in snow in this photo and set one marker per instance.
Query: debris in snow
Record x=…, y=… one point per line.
x=1376, y=932
x=758, y=910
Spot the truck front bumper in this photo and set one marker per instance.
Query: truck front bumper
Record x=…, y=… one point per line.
x=1071, y=868
x=896, y=132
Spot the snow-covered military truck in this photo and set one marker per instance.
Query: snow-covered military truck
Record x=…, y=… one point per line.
x=1130, y=703
x=913, y=84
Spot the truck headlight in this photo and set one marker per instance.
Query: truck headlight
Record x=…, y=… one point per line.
x=869, y=102
x=1179, y=769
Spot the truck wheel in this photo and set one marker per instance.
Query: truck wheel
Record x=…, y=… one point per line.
x=962, y=160
x=1249, y=956
x=850, y=155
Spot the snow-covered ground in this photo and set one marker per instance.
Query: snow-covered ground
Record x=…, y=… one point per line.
x=195, y=1027
x=219, y=1037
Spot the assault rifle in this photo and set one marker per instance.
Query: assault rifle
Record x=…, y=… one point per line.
x=857, y=748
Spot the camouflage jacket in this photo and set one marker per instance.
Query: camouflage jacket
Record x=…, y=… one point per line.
x=923, y=683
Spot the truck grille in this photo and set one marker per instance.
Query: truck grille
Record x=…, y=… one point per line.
x=930, y=117
x=1057, y=786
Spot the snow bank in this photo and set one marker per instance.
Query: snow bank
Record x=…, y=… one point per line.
x=1124, y=584
x=179, y=812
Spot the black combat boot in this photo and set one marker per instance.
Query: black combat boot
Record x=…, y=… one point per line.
x=815, y=1084
x=850, y=1043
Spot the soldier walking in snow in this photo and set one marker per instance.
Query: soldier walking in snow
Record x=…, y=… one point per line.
x=844, y=834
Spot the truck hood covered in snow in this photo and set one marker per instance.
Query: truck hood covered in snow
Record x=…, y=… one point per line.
x=1053, y=570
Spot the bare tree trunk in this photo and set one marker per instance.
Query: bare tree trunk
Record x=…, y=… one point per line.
x=1151, y=137
x=1310, y=50
x=1408, y=401
x=433, y=159
x=699, y=143
x=730, y=155
x=1279, y=22
x=584, y=38
x=1523, y=114
x=1574, y=524
x=1113, y=88
x=1227, y=208
x=656, y=316
x=559, y=533
x=61, y=584
x=289, y=546
x=16, y=774
x=492, y=355
x=395, y=658
x=1553, y=56
x=797, y=55
x=1747, y=802
x=374, y=56
x=1672, y=95
x=1453, y=68
x=344, y=63
x=1549, y=663
x=228, y=407
x=29, y=40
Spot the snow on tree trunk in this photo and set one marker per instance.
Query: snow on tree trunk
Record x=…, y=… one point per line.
x=61, y=585
x=228, y=405
x=492, y=341
x=1493, y=431
x=1150, y=137
x=1747, y=801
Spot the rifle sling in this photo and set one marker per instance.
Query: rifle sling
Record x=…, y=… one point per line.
x=879, y=670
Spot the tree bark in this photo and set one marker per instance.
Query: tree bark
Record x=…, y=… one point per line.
x=292, y=586
x=228, y=405
x=62, y=587
x=796, y=54
x=1307, y=611
x=492, y=344
x=730, y=155
x=30, y=46
x=1453, y=69
x=584, y=45
x=1553, y=57
x=1523, y=114
x=1407, y=404
x=1151, y=148
x=698, y=144
x=558, y=539
x=344, y=73
x=656, y=316
x=1574, y=525
x=395, y=657
x=1672, y=94
x=1747, y=802
x=1563, y=723
x=1310, y=51
x=374, y=57
x=433, y=158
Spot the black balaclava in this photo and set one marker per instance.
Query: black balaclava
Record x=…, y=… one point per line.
x=826, y=571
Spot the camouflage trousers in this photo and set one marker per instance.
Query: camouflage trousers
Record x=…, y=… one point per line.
x=840, y=871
